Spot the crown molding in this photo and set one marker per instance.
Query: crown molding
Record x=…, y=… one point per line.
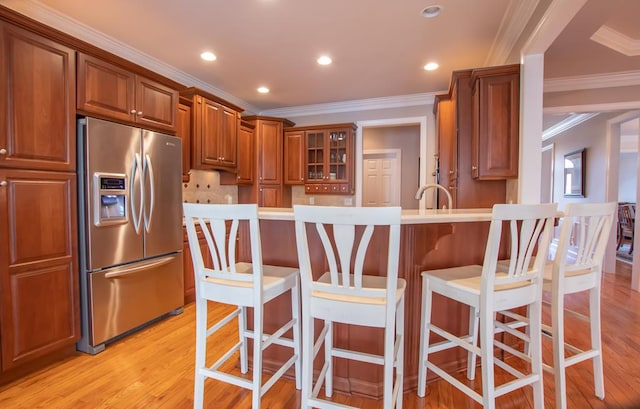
x=617, y=41
x=566, y=124
x=513, y=22
x=46, y=15
x=399, y=101
x=606, y=80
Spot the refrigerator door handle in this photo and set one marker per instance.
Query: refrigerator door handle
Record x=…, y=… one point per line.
x=148, y=168
x=135, y=213
x=114, y=273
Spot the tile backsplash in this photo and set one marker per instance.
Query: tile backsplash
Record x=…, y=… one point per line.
x=204, y=187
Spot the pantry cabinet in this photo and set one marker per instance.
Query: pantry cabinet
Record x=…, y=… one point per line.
x=268, y=188
x=215, y=124
x=496, y=110
x=109, y=91
x=39, y=293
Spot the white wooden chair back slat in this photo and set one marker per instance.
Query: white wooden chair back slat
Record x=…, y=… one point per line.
x=345, y=280
x=213, y=220
x=530, y=230
x=585, y=231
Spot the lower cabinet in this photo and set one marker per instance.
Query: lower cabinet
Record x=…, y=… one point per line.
x=39, y=310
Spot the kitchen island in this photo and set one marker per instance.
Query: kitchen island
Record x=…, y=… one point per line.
x=430, y=239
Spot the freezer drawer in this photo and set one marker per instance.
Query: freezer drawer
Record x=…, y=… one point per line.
x=127, y=296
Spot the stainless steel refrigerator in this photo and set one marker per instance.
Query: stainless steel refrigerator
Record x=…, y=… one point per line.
x=130, y=204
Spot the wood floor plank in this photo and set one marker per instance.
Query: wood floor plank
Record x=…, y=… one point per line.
x=153, y=368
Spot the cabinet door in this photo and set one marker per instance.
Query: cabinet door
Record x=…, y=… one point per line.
x=338, y=156
x=495, y=127
x=447, y=147
x=183, y=128
x=294, y=158
x=269, y=135
x=156, y=104
x=39, y=310
x=315, y=162
x=270, y=195
x=105, y=89
x=37, y=107
x=245, y=155
x=228, y=134
x=209, y=132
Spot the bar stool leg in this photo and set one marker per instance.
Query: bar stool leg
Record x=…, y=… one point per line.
x=596, y=340
x=557, y=329
x=328, y=357
x=257, y=357
x=424, y=336
x=400, y=357
x=473, y=332
x=295, y=314
x=242, y=336
x=535, y=349
x=486, y=343
x=201, y=345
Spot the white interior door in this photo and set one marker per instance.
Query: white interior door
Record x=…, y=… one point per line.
x=382, y=179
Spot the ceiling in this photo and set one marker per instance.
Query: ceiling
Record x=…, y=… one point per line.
x=378, y=47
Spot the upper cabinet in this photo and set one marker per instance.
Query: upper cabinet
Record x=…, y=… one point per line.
x=294, y=157
x=245, y=153
x=37, y=102
x=215, y=124
x=112, y=92
x=328, y=158
x=496, y=110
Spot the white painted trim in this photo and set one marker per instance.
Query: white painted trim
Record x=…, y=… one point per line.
x=593, y=81
x=555, y=19
x=566, y=124
x=515, y=17
x=398, y=101
x=609, y=106
x=617, y=41
x=419, y=120
x=552, y=148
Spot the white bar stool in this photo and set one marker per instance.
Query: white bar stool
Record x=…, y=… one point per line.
x=487, y=291
x=243, y=285
x=577, y=267
x=344, y=294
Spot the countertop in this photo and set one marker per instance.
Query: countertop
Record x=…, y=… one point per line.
x=409, y=216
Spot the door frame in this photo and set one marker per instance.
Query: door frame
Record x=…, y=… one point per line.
x=426, y=162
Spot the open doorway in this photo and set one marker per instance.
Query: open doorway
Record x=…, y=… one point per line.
x=376, y=142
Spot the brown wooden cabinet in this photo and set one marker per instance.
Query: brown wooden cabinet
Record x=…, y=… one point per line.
x=496, y=110
x=112, y=92
x=215, y=124
x=39, y=312
x=37, y=105
x=39, y=294
x=246, y=147
x=268, y=189
x=328, y=163
x=183, y=131
x=294, y=158
x=454, y=127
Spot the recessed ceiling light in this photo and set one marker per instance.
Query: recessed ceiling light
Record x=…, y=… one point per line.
x=263, y=90
x=208, y=56
x=431, y=11
x=324, y=60
x=431, y=66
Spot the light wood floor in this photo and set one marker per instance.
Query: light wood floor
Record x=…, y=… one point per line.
x=153, y=368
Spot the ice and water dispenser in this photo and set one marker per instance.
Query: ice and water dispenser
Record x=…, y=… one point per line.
x=110, y=198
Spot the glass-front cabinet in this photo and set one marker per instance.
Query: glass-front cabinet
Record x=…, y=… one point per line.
x=329, y=159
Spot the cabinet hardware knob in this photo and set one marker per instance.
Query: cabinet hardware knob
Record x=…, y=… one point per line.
x=139, y=113
x=474, y=167
x=3, y=183
x=3, y=151
x=451, y=172
x=133, y=111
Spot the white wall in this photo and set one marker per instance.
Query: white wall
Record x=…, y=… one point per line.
x=628, y=178
x=590, y=135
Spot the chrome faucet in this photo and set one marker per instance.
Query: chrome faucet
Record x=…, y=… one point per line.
x=422, y=189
